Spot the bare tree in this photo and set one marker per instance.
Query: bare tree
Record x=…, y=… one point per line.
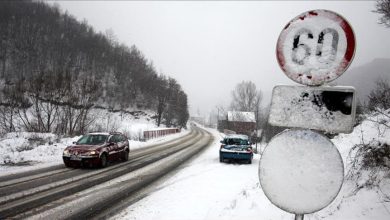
x=379, y=102
x=221, y=111
x=161, y=99
x=8, y=104
x=379, y=98
x=245, y=97
x=383, y=7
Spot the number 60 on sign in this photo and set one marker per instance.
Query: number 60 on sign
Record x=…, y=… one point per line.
x=316, y=47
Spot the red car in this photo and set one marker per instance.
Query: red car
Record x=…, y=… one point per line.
x=97, y=149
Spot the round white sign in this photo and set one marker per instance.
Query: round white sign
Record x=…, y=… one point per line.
x=301, y=171
x=315, y=47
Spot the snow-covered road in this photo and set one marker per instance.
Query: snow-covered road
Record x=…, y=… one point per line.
x=78, y=193
x=204, y=188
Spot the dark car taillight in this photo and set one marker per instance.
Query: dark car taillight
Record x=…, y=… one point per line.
x=249, y=149
x=222, y=146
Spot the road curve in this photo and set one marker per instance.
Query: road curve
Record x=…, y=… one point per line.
x=63, y=193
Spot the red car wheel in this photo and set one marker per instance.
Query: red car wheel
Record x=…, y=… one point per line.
x=103, y=160
x=125, y=155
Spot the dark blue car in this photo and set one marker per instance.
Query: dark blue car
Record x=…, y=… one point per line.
x=236, y=147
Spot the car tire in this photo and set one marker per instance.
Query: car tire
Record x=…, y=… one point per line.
x=68, y=165
x=250, y=161
x=125, y=155
x=103, y=160
x=221, y=159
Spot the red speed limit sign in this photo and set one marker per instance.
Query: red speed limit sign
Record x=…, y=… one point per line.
x=316, y=47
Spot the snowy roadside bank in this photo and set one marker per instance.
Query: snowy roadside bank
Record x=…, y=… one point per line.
x=23, y=151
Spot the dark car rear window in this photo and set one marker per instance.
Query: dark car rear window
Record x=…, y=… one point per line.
x=236, y=141
x=92, y=139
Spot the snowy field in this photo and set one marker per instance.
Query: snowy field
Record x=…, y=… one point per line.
x=204, y=188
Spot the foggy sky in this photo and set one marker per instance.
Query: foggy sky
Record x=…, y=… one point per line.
x=210, y=46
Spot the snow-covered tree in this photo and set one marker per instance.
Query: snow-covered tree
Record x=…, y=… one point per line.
x=383, y=7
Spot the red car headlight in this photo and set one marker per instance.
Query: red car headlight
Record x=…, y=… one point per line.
x=93, y=152
x=66, y=152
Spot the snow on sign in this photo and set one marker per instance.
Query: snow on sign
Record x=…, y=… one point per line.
x=315, y=47
x=301, y=171
x=330, y=109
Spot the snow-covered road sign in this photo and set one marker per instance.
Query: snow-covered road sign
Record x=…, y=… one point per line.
x=315, y=47
x=301, y=171
x=330, y=109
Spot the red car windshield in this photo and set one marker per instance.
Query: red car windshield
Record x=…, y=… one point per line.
x=92, y=139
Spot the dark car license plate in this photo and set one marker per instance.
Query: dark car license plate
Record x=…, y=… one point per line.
x=74, y=157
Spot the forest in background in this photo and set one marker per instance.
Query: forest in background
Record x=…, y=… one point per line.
x=55, y=69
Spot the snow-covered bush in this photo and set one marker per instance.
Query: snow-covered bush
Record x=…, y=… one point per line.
x=375, y=155
x=370, y=158
x=371, y=164
x=380, y=96
x=20, y=147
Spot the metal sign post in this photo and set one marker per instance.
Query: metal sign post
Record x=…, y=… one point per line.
x=301, y=171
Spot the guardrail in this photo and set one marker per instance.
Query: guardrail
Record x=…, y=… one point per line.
x=160, y=132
